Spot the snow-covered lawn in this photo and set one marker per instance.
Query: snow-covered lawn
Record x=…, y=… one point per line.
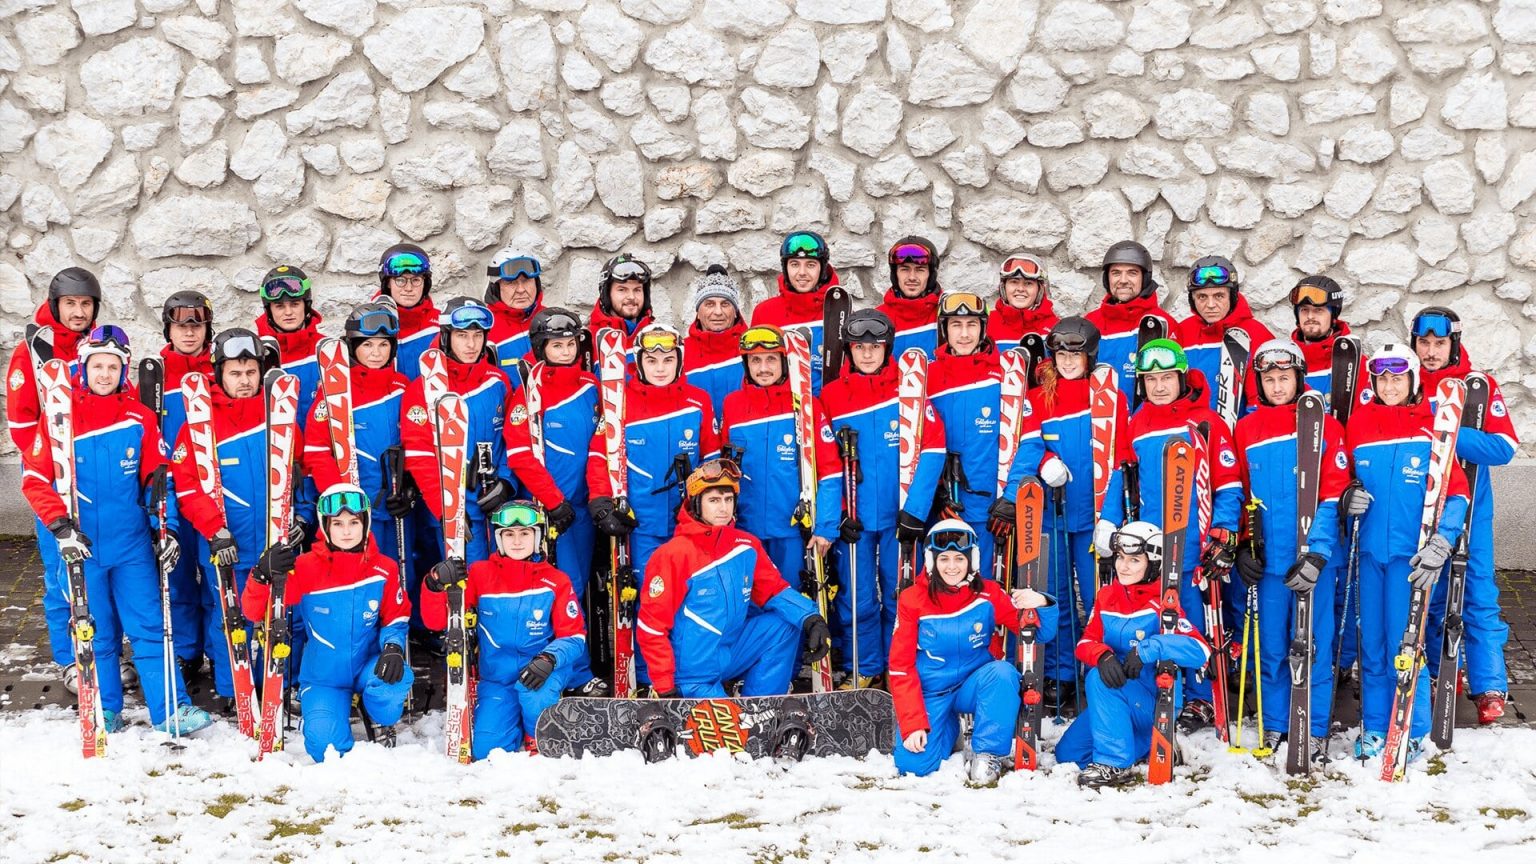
x=209, y=802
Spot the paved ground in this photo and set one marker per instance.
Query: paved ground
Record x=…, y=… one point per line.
x=28, y=678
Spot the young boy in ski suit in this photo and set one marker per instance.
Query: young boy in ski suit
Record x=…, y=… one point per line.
x=118, y=457
x=805, y=276
x=912, y=301
x=713, y=608
x=942, y=661
x=347, y=593
x=528, y=623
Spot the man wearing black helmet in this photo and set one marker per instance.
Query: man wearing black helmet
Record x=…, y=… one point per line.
x=912, y=301
x=1217, y=305
x=1317, y=302
x=289, y=316
x=805, y=276
x=623, y=299
x=405, y=278
x=1130, y=294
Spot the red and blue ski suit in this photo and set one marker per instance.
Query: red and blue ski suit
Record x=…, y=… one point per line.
x=916, y=320
x=712, y=362
x=713, y=608
x=967, y=391
x=1266, y=451
x=1059, y=410
x=1117, y=730
x=1007, y=325
x=1203, y=345
x=789, y=310
x=117, y=449
x=1319, y=357
x=522, y=609
x=509, y=336
x=760, y=421
x=943, y=665
x=186, y=593
x=484, y=391
x=569, y=399
x=599, y=321
x=240, y=441
x=352, y=608
x=1151, y=427
x=867, y=405
x=296, y=352
x=419, y=329
x=1119, y=327
x=1390, y=448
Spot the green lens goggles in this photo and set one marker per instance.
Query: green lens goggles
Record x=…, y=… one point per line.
x=1157, y=358
x=517, y=515
x=334, y=503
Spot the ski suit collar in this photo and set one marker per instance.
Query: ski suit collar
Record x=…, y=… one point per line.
x=804, y=306
x=703, y=347
x=1241, y=314
x=1120, y=316
x=298, y=345
x=1013, y=321
x=601, y=320
x=1455, y=370
x=414, y=319
x=66, y=342
x=179, y=366
x=1319, y=354
x=910, y=312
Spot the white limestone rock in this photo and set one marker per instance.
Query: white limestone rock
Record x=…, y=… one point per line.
x=446, y=166
x=1000, y=133
x=691, y=181
x=1231, y=31
x=1391, y=264
x=1451, y=187
x=131, y=78
x=1112, y=114
x=799, y=206
x=72, y=148
x=351, y=17
x=1083, y=168
x=1476, y=102
x=727, y=215
x=575, y=178
x=1367, y=58
x=526, y=52
x=1280, y=60
x=325, y=159
x=355, y=249
x=114, y=190
x=1145, y=160
x=692, y=55
x=1515, y=21
x=750, y=18
x=1427, y=142
x=138, y=137
x=663, y=222
x=1366, y=145
x=198, y=120
x=1435, y=238
x=841, y=11
x=894, y=175
x=41, y=206
x=360, y=199
x=46, y=38
x=1328, y=104
x=301, y=57
x=195, y=225
x=1022, y=172
x=1186, y=198
x=346, y=100
x=259, y=150
x=481, y=214
x=927, y=136
x=761, y=173
x=1250, y=156
x=204, y=168
x=714, y=128
x=460, y=117
x=1098, y=220
x=1489, y=155
x=394, y=115
x=1350, y=192
x=1236, y=204
x=1077, y=25
x=790, y=59
x=871, y=120
x=517, y=150
x=254, y=102
x=620, y=181
x=846, y=52
x=250, y=66
x=1441, y=24
x=205, y=39
x=421, y=44
x=623, y=96
x=1190, y=113
x=997, y=32
x=261, y=18
x=946, y=77
x=610, y=36
x=838, y=173
x=1036, y=88
x=99, y=17
x=1005, y=223
x=773, y=121
x=1055, y=133
x=657, y=142
x=281, y=186
x=1269, y=113
x=1521, y=182
x=1399, y=193
x=967, y=166
x=42, y=92
x=418, y=216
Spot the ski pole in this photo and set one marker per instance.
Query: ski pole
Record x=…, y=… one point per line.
x=847, y=439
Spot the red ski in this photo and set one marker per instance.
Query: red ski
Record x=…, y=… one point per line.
x=1178, y=495
x=1015, y=366
x=621, y=591
x=450, y=434
x=798, y=351
x=282, y=391
x=911, y=393
x=1210, y=587
x=1030, y=573
x=1103, y=402
x=336, y=392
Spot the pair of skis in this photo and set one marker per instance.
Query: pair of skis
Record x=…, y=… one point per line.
x=798, y=356
x=1310, y=416
x=152, y=395
x=622, y=593
x=1179, y=467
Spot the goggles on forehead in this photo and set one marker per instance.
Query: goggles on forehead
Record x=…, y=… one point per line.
x=1156, y=358
x=379, y=322
x=467, y=317
x=710, y=474
x=909, y=253
x=868, y=328
x=1071, y=342
x=802, y=246
x=1388, y=365
x=1129, y=544
x=951, y=541
x=761, y=339
x=1022, y=267
x=625, y=270
x=1309, y=295
x=659, y=340
x=241, y=348
x=1212, y=276
x=403, y=263
x=514, y=268
x=284, y=288
x=189, y=315
x=517, y=514
x=346, y=501
x=962, y=303
x=1275, y=360
x=1435, y=324
x=109, y=334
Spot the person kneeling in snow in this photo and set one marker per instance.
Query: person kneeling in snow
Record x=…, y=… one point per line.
x=534, y=637
x=942, y=659
x=348, y=595
x=1122, y=645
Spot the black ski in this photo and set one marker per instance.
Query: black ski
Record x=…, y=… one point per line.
x=1345, y=378
x=835, y=310
x=1033, y=346
x=1309, y=469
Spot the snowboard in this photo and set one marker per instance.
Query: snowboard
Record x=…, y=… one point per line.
x=840, y=723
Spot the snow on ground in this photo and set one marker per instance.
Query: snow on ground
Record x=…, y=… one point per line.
x=148, y=803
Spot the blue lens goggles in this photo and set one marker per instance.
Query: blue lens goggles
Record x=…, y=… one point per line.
x=348, y=501
x=1435, y=324
x=405, y=263
x=517, y=268
x=468, y=317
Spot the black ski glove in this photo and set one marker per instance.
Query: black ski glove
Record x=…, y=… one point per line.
x=221, y=547
x=1303, y=574
x=537, y=671
x=1132, y=665
x=391, y=666
x=450, y=571
x=909, y=528
x=278, y=558
x=1220, y=553
x=496, y=493
x=74, y=546
x=399, y=504
x=561, y=518
x=1003, y=513
x=608, y=518
x=818, y=639
x=1111, y=671
x=1250, y=567
x=851, y=529
x=297, y=533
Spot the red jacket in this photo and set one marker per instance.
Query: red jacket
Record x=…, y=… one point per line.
x=503, y=576
x=416, y=425
x=22, y=407
x=600, y=321
x=1006, y=325
x=231, y=418
x=298, y=345
x=912, y=607
x=368, y=386
x=791, y=309
x=179, y=366
x=556, y=385
x=1194, y=331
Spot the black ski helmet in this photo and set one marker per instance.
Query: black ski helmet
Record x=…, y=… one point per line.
x=901, y=252
x=1129, y=252
x=1321, y=288
x=1075, y=333
x=74, y=282
x=510, y=263
x=372, y=320
x=236, y=343
x=187, y=300
x=619, y=268
x=870, y=327
x=1437, y=321
x=402, y=259
x=806, y=244
x=552, y=322
x=1214, y=271
x=465, y=313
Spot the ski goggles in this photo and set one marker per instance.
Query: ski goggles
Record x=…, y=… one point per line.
x=1213, y=275
x=467, y=317
x=561, y=326
x=241, y=347
x=1275, y=360
x=1129, y=544
x=802, y=246
x=1022, y=267
x=716, y=472
x=659, y=340
x=962, y=303
x=379, y=322
x=108, y=336
x=189, y=315
x=951, y=541
x=761, y=339
x=869, y=330
x=517, y=514
x=342, y=501
x=1435, y=324
x=1157, y=358
x=516, y=268
x=1075, y=343
x=403, y=263
x=909, y=253
x=627, y=270
x=1309, y=295
x=1388, y=365
x=284, y=288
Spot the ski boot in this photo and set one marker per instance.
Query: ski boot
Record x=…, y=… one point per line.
x=1415, y=750
x=657, y=739
x=1272, y=740
x=187, y=720
x=1060, y=697
x=72, y=679
x=984, y=769
x=1097, y=776
x=792, y=732
x=129, y=673
x=1369, y=745
x=1319, y=756
x=1490, y=707
x=111, y=720
x=1197, y=714
x=597, y=688
x=385, y=736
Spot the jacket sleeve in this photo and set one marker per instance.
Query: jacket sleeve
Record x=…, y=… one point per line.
x=152, y=446
x=520, y=458
x=1226, y=482
x=205, y=514
x=253, y=600
x=658, y=612
x=770, y=591
x=22, y=410
x=930, y=465
x=420, y=454
x=1031, y=453
x=597, y=468
x=434, y=608
x=319, y=463
x=1011, y=618
x=906, y=685
x=829, y=484
x=570, y=642
x=1185, y=647
x=1497, y=442
x=37, y=480
x=1453, y=518
x=395, y=617
x=709, y=438
x=1091, y=647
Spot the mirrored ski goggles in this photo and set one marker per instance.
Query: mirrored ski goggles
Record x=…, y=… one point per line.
x=189, y=315
x=758, y=339
x=1388, y=365
x=1076, y=343
x=951, y=541
x=1157, y=358
x=378, y=322
x=1309, y=295
x=659, y=340
x=284, y=288
x=466, y=317
x=1435, y=324
x=517, y=514
x=1213, y=275
x=1022, y=267
x=561, y=326
x=909, y=253
x=344, y=501
x=1129, y=544
x=109, y=334
x=626, y=270
x=962, y=303
x=1275, y=360
x=869, y=329
x=710, y=474
x=516, y=268
x=802, y=246
x=402, y=263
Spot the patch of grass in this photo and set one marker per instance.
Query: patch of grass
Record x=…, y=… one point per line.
x=1504, y=812
x=163, y=841
x=736, y=821
x=72, y=806
x=1301, y=784
x=1436, y=765
x=1263, y=799
x=391, y=821
x=283, y=828
x=224, y=804
x=548, y=804
x=217, y=776
x=519, y=828
x=1439, y=814
x=1306, y=810
x=283, y=858
x=276, y=796
x=502, y=853
x=470, y=802
x=594, y=834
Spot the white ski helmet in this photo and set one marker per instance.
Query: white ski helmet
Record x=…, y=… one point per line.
x=1396, y=359
x=1280, y=353
x=341, y=498
x=951, y=535
x=1137, y=538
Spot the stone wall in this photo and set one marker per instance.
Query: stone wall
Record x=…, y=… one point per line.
x=169, y=144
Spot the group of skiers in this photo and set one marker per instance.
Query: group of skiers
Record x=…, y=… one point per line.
x=707, y=512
